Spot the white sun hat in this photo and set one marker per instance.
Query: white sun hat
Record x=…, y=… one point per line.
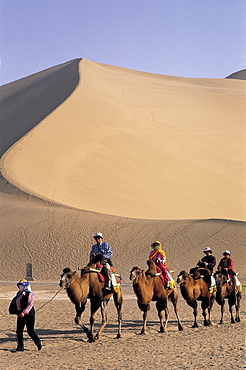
x=98, y=235
x=227, y=252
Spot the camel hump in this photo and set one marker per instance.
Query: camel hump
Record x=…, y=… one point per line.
x=203, y=273
x=152, y=267
x=98, y=258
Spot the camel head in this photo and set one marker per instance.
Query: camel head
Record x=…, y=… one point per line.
x=135, y=274
x=66, y=277
x=220, y=278
x=182, y=277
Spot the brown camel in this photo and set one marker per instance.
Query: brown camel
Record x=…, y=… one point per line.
x=88, y=286
x=226, y=291
x=148, y=287
x=194, y=290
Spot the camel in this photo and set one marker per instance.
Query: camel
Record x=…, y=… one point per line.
x=148, y=287
x=193, y=290
x=88, y=286
x=226, y=291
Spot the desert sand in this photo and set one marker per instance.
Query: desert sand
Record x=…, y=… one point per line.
x=88, y=147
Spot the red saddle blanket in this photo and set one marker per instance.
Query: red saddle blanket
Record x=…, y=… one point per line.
x=101, y=277
x=161, y=276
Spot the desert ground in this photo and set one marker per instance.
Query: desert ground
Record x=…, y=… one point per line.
x=88, y=147
x=65, y=344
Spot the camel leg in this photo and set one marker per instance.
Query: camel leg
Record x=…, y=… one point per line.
x=118, y=301
x=222, y=310
x=238, y=306
x=161, y=306
x=143, y=331
x=194, y=306
x=230, y=303
x=231, y=313
x=145, y=308
x=104, y=313
x=79, y=310
x=205, y=307
x=95, y=304
x=163, y=328
x=212, y=299
x=174, y=300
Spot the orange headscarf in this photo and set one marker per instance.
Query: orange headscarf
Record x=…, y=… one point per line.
x=154, y=252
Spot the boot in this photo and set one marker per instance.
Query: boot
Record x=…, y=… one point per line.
x=234, y=284
x=108, y=285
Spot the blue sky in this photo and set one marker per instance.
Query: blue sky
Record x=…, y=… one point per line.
x=189, y=38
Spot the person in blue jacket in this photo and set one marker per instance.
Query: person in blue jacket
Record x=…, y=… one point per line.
x=103, y=248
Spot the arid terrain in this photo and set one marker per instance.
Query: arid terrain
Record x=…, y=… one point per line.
x=88, y=147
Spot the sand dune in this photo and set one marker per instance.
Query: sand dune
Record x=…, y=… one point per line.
x=135, y=144
x=239, y=75
x=24, y=103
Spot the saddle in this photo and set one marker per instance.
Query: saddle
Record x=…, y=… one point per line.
x=115, y=277
x=159, y=272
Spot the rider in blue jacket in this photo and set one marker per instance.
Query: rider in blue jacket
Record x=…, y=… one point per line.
x=103, y=248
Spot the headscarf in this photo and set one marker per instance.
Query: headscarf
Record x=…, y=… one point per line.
x=24, y=286
x=154, y=252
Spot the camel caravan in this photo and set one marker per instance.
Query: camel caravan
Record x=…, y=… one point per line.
x=98, y=282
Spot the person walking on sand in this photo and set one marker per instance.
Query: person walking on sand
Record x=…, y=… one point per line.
x=26, y=314
x=103, y=248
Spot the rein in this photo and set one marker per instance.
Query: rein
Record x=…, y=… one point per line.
x=49, y=300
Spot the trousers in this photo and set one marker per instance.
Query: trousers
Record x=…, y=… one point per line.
x=28, y=321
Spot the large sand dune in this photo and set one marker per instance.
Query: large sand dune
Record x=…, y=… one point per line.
x=136, y=145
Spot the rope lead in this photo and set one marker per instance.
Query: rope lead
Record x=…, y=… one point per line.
x=49, y=300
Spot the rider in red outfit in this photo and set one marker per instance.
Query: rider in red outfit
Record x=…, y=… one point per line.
x=226, y=266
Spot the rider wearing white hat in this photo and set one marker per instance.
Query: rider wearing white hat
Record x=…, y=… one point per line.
x=103, y=248
x=208, y=261
x=226, y=266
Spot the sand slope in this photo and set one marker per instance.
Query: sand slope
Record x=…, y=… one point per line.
x=25, y=102
x=54, y=237
x=139, y=145
x=239, y=75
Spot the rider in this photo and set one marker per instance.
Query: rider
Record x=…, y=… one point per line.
x=208, y=261
x=226, y=266
x=103, y=248
x=160, y=259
